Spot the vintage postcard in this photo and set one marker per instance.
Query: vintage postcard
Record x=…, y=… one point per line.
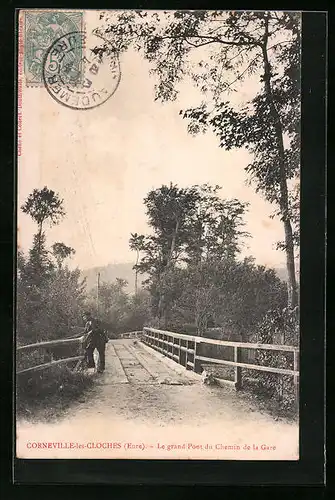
x=158, y=234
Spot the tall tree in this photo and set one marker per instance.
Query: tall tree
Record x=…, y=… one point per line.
x=219, y=50
x=44, y=205
x=167, y=209
x=136, y=242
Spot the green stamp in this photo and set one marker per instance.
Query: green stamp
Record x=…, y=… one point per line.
x=42, y=29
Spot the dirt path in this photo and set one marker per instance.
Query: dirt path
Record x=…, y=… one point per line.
x=142, y=407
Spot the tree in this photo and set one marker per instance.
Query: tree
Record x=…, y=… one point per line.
x=43, y=205
x=113, y=303
x=50, y=298
x=219, y=50
x=189, y=225
x=136, y=243
x=215, y=227
x=235, y=295
x=61, y=305
x=61, y=252
x=38, y=267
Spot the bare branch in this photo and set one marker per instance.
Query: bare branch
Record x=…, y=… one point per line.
x=211, y=40
x=243, y=72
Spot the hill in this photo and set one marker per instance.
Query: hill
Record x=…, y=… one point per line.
x=125, y=271
x=109, y=274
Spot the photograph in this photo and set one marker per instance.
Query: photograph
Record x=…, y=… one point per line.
x=158, y=234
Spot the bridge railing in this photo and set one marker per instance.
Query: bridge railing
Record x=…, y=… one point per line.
x=132, y=335
x=185, y=350
x=47, y=345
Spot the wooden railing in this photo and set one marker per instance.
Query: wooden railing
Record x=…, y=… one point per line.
x=185, y=350
x=131, y=335
x=48, y=344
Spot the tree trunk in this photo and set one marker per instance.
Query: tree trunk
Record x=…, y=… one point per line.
x=162, y=311
x=136, y=271
x=201, y=323
x=173, y=243
x=162, y=304
x=39, y=239
x=284, y=202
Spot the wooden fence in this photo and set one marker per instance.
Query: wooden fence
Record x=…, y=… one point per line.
x=61, y=343
x=131, y=335
x=48, y=344
x=185, y=350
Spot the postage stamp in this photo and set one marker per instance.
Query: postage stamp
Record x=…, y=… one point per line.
x=42, y=28
x=81, y=72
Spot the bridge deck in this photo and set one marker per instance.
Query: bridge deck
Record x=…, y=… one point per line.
x=140, y=400
x=129, y=362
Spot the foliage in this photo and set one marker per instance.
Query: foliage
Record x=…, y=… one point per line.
x=61, y=252
x=233, y=295
x=278, y=325
x=136, y=243
x=118, y=311
x=139, y=312
x=44, y=205
x=49, y=308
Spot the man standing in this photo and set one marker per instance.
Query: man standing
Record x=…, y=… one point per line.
x=94, y=338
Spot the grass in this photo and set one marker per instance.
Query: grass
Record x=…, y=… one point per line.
x=45, y=395
x=257, y=390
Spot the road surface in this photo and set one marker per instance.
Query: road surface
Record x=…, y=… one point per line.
x=145, y=406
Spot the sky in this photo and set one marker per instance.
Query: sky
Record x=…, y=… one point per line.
x=104, y=161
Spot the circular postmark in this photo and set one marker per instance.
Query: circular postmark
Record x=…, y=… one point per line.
x=81, y=72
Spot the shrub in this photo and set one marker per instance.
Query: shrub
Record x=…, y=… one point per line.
x=283, y=326
x=47, y=392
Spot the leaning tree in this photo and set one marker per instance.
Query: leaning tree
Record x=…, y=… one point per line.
x=220, y=51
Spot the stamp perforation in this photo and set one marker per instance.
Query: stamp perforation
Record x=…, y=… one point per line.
x=41, y=23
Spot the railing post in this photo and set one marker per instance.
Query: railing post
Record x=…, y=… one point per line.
x=238, y=369
x=179, y=351
x=197, y=362
x=186, y=352
x=296, y=379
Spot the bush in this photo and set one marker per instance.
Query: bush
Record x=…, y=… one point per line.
x=48, y=392
x=283, y=326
